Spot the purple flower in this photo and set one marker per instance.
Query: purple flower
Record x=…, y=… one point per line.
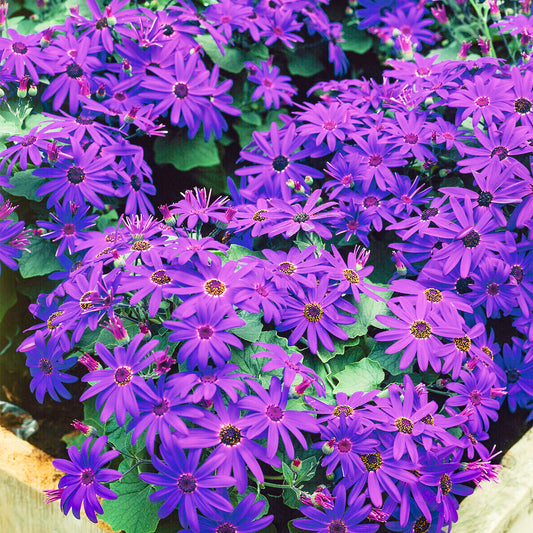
x=347, y=407
x=242, y=519
x=339, y=518
x=281, y=26
x=196, y=206
x=233, y=450
x=118, y=386
x=29, y=145
x=68, y=227
x=411, y=134
x=46, y=366
x=475, y=394
x=268, y=415
x=9, y=232
x=205, y=335
x=79, y=179
x=84, y=479
x=315, y=314
x=272, y=86
x=186, y=485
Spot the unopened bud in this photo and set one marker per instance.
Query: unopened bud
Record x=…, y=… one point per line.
x=32, y=89
x=328, y=447
x=296, y=465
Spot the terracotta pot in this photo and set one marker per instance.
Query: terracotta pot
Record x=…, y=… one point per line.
x=506, y=506
x=25, y=472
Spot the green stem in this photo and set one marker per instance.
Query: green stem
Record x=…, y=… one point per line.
x=276, y=486
x=485, y=28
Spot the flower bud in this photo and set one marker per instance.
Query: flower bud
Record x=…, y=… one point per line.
x=296, y=465
x=118, y=260
x=22, y=90
x=328, y=447
x=32, y=89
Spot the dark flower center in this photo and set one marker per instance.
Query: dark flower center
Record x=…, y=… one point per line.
x=162, y=408
x=274, y=412
x=180, y=90
x=421, y=525
x=287, y=268
x=226, y=527
x=423, y=71
x=370, y=201
x=141, y=246
x=351, y=275
x=344, y=445
x=420, y=329
x=428, y=419
x=84, y=121
x=340, y=409
x=69, y=229
x=471, y=239
x=337, y=526
x=19, y=48
x=347, y=180
x=86, y=476
x=513, y=375
x=522, y=105
x=45, y=366
x=475, y=397
x=187, y=483
x=136, y=183
x=482, y=101
x=462, y=343
x=75, y=175
x=51, y=318
x=428, y=213
x=372, y=461
x=462, y=285
x=214, y=287
x=301, y=217
x=208, y=378
x=313, y=312
x=404, y=425
x=122, y=375
x=258, y=216
x=205, y=332
x=101, y=24
x=28, y=140
x=160, y=278
x=433, y=295
x=488, y=351
x=484, y=199
x=411, y=138
x=230, y=435
x=445, y=484
x=74, y=71
x=280, y=163
x=375, y=160
x=493, y=289
x=120, y=96
x=518, y=273
x=168, y=30
x=86, y=301
x=501, y=152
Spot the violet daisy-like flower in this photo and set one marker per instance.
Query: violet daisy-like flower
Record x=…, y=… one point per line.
x=68, y=225
x=9, y=233
x=84, y=481
x=407, y=195
x=411, y=135
x=196, y=206
x=203, y=249
x=24, y=147
x=339, y=518
x=186, y=485
x=475, y=393
x=291, y=218
x=315, y=314
x=345, y=406
x=281, y=27
x=205, y=334
x=47, y=366
x=184, y=91
x=233, y=450
x=118, y=386
x=160, y=413
x=268, y=415
x=243, y=519
x=272, y=86
x=415, y=331
x=79, y=179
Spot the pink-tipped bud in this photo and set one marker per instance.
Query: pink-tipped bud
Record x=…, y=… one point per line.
x=322, y=498
x=525, y=38
x=168, y=217
x=302, y=387
x=131, y=115
x=525, y=6
x=308, y=180
x=116, y=327
x=329, y=446
x=88, y=362
x=484, y=45
x=101, y=92
x=472, y=363
x=406, y=46
x=163, y=361
x=84, y=428
x=145, y=330
x=73, y=208
x=22, y=90
x=111, y=19
x=47, y=37
x=463, y=52
x=494, y=9
x=126, y=67
x=53, y=152
x=439, y=12
x=401, y=269
x=497, y=392
x=37, y=232
x=32, y=89
x=84, y=86
x=296, y=465
x=229, y=214
x=3, y=13
x=290, y=183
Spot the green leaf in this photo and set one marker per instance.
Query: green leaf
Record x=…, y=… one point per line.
x=10, y=124
x=132, y=511
x=26, y=185
x=250, y=117
x=307, y=471
x=237, y=252
x=389, y=362
x=7, y=290
x=339, y=347
x=364, y=376
x=232, y=60
x=106, y=220
x=367, y=309
x=184, y=153
x=355, y=40
x=290, y=498
x=251, y=331
x=304, y=64
x=41, y=259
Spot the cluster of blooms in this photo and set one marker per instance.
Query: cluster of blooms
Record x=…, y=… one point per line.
x=178, y=293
